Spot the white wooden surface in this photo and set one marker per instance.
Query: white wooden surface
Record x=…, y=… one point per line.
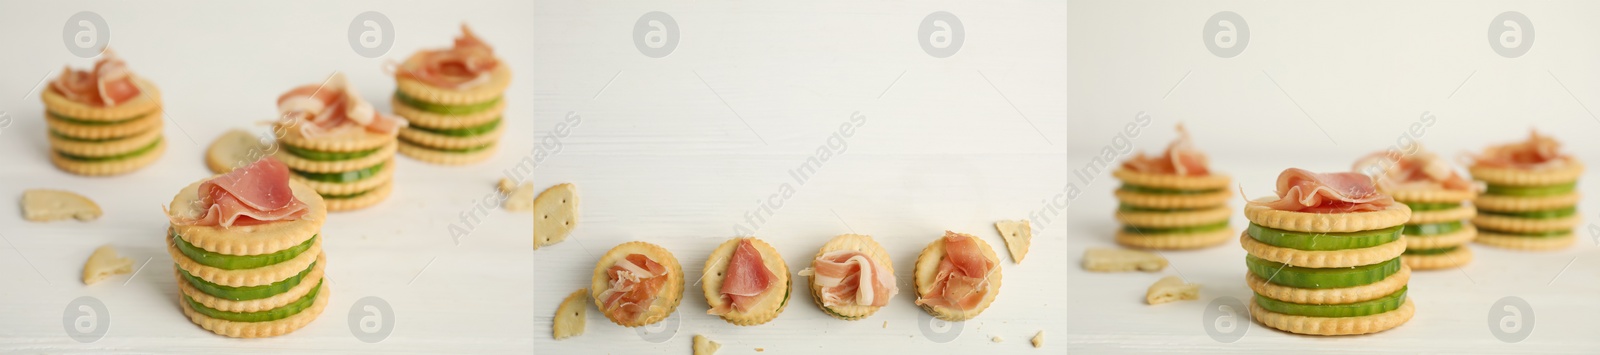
x=676, y=150
x=220, y=66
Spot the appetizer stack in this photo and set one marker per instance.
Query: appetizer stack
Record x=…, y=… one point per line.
x=1172, y=201
x=1531, y=200
x=957, y=277
x=1437, y=234
x=103, y=121
x=1324, y=256
x=334, y=142
x=454, y=99
x=637, y=284
x=249, y=259
x=851, y=277
x=745, y=282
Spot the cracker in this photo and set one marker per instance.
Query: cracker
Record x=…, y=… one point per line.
x=249, y=240
x=247, y=277
x=256, y=305
x=1175, y=241
x=149, y=122
x=1018, y=236
x=926, y=271
x=1171, y=289
x=447, y=158
x=1176, y=182
x=1519, y=224
x=1323, y=258
x=856, y=242
x=555, y=214
x=518, y=198
x=1258, y=212
x=104, y=148
x=1523, y=204
x=422, y=118
x=1038, y=340
x=704, y=346
x=384, y=154
x=1122, y=260
x=1461, y=256
x=382, y=177
x=771, y=302
x=1436, y=241
x=1389, y=285
x=1562, y=174
x=667, y=299
x=259, y=329
x=427, y=139
x=45, y=205
x=148, y=100
x=1518, y=242
x=103, y=263
x=348, y=140
x=1456, y=214
x=1431, y=195
x=1166, y=201
x=1174, y=218
x=233, y=149
x=499, y=79
x=1334, y=326
x=372, y=197
x=108, y=168
x=572, y=316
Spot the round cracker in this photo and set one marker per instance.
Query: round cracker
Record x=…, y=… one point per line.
x=248, y=240
x=1323, y=258
x=1387, y=286
x=926, y=272
x=1430, y=195
x=1522, y=203
x=668, y=297
x=149, y=100
x=378, y=194
x=106, y=148
x=1520, y=242
x=260, y=329
x=350, y=139
x=264, y=275
x=446, y=158
x=108, y=168
x=383, y=176
x=1169, y=201
x=1529, y=225
x=1171, y=181
x=1175, y=218
x=1456, y=214
x=149, y=122
x=1458, y=237
x=1175, y=241
x=1562, y=174
x=256, y=305
x=422, y=118
x=427, y=139
x=499, y=79
x=1334, y=326
x=233, y=149
x=384, y=154
x=855, y=242
x=1394, y=215
x=1461, y=256
x=772, y=303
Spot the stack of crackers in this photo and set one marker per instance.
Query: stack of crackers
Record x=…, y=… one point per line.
x=1437, y=234
x=350, y=164
x=455, y=123
x=89, y=137
x=1161, y=211
x=1528, y=207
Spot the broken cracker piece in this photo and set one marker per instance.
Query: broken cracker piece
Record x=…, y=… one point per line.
x=44, y=205
x=518, y=198
x=1171, y=288
x=996, y=339
x=1038, y=340
x=703, y=346
x=104, y=263
x=1018, y=236
x=572, y=316
x=1121, y=260
x=555, y=214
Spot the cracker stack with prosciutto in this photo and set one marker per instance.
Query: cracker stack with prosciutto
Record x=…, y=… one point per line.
x=1172, y=200
x=1324, y=256
x=334, y=141
x=1531, y=202
x=1437, y=234
x=851, y=277
x=745, y=282
x=455, y=100
x=957, y=277
x=103, y=121
x=247, y=250
x=637, y=284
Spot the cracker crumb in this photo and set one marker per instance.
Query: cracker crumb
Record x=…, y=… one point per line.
x=1169, y=289
x=1038, y=340
x=885, y=324
x=760, y=350
x=996, y=339
x=1121, y=260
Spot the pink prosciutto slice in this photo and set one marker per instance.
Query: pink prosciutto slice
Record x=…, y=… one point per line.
x=1180, y=158
x=466, y=65
x=746, y=278
x=1419, y=170
x=852, y=278
x=251, y=195
x=333, y=107
x=634, y=282
x=1304, y=191
x=1538, y=152
x=963, y=275
x=108, y=84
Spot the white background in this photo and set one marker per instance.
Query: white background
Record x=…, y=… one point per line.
x=666, y=157
x=221, y=66
x=1364, y=71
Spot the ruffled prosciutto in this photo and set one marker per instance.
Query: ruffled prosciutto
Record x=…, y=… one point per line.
x=746, y=278
x=333, y=107
x=1421, y=170
x=466, y=65
x=1304, y=191
x=634, y=282
x=1538, y=152
x=851, y=278
x=963, y=277
x=252, y=195
x=1180, y=158
x=108, y=84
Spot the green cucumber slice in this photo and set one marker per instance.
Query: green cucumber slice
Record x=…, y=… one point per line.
x=347, y=196
x=58, y=135
x=1358, y=309
x=463, y=132
x=286, y=311
x=1187, y=229
x=1544, y=234
x=1433, y=228
x=136, y=152
x=1529, y=191
x=1320, y=278
x=317, y=155
x=1132, y=208
x=1164, y=191
x=84, y=122
x=1426, y=206
x=453, y=110
x=1323, y=241
x=342, y=177
x=1540, y=214
x=246, y=292
x=238, y=262
x=1435, y=251
x=457, y=151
